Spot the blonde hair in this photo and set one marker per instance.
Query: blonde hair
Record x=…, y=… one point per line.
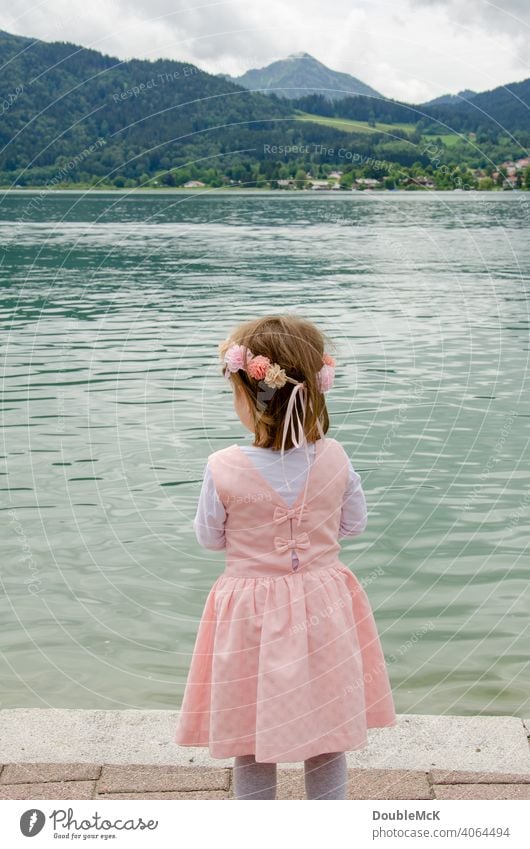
x=297, y=345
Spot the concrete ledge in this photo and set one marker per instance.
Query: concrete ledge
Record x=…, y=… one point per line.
x=484, y=744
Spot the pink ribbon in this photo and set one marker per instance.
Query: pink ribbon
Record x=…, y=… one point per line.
x=283, y=544
x=298, y=436
x=281, y=514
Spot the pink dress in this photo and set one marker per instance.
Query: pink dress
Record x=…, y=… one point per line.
x=287, y=662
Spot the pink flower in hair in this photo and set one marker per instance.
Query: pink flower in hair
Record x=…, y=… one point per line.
x=235, y=357
x=257, y=367
x=325, y=377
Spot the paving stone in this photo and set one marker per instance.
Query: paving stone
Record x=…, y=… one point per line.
x=149, y=779
x=388, y=784
x=481, y=791
x=444, y=776
x=49, y=790
x=290, y=784
x=198, y=794
x=24, y=773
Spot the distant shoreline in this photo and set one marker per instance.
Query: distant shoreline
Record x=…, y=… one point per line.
x=276, y=192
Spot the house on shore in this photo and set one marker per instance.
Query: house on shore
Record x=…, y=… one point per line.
x=421, y=180
x=367, y=182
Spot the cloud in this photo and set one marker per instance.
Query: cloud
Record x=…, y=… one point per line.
x=507, y=21
x=411, y=50
x=504, y=17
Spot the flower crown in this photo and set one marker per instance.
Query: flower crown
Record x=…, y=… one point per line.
x=239, y=357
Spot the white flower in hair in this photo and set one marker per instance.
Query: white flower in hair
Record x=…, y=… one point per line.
x=275, y=376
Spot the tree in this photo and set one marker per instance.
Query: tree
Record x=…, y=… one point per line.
x=300, y=178
x=167, y=179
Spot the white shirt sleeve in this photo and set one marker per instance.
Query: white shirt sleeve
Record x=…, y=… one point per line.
x=211, y=515
x=354, y=516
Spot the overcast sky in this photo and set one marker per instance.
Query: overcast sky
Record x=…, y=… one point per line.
x=407, y=49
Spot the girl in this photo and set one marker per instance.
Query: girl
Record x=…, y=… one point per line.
x=287, y=664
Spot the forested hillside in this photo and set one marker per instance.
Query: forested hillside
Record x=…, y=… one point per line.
x=60, y=98
x=74, y=116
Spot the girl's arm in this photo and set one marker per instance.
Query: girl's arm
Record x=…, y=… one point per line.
x=354, y=516
x=211, y=515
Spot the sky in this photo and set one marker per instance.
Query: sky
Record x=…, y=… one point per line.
x=411, y=50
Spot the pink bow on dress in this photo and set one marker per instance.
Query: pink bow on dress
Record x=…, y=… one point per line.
x=281, y=514
x=283, y=544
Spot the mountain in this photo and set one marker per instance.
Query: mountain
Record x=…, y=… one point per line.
x=503, y=110
x=301, y=74
x=60, y=98
x=452, y=99
x=72, y=115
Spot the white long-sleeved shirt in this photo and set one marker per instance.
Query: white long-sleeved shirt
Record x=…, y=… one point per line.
x=211, y=515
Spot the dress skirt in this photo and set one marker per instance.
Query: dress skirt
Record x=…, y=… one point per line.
x=286, y=668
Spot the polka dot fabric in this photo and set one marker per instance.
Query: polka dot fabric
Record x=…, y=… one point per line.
x=287, y=663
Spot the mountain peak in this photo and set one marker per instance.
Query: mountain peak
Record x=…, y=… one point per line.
x=453, y=99
x=292, y=78
x=301, y=56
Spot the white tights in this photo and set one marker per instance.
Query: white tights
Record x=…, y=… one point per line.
x=325, y=777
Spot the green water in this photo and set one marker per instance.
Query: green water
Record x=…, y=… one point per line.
x=111, y=310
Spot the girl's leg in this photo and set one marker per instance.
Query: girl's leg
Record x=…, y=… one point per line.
x=326, y=776
x=252, y=779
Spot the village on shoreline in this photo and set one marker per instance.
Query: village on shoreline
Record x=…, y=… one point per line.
x=509, y=175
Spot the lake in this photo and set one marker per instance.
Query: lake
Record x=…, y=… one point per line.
x=112, y=306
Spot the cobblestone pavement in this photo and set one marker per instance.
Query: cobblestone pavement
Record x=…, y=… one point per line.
x=96, y=781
